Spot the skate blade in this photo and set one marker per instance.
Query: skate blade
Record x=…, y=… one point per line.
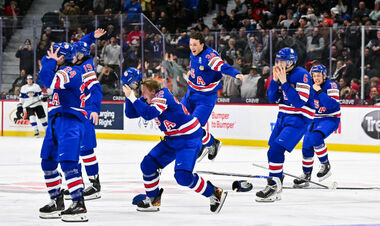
x=269, y=199
x=325, y=177
x=304, y=185
x=52, y=215
x=74, y=218
x=92, y=197
x=150, y=209
x=212, y=158
x=204, y=153
x=222, y=199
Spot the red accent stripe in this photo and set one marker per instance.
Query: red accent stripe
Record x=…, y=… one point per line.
x=322, y=152
x=54, y=183
x=208, y=135
x=151, y=185
x=90, y=81
x=161, y=107
x=56, y=86
x=335, y=97
x=275, y=167
x=184, y=130
x=200, y=186
x=304, y=94
x=90, y=159
x=200, y=88
x=215, y=68
x=298, y=109
x=307, y=163
x=75, y=183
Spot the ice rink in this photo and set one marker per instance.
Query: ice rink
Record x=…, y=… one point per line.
x=23, y=192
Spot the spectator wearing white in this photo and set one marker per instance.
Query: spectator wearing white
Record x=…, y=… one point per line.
x=286, y=21
x=111, y=55
x=256, y=49
x=315, y=45
x=248, y=89
x=375, y=14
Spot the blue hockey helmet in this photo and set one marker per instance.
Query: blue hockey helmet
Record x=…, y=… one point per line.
x=319, y=68
x=287, y=54
x=66, y=49
x=131, y=77
x=82, y=47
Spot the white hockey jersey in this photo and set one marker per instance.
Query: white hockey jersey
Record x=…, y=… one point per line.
x=30, y=95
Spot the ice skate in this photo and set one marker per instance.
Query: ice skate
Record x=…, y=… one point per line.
x=75, y=213
x=217, y=199
x=271, y=193
x=214, y=149
x=204, y=151
x=324, y=171
x=53, y=209
x=93, y=191
x=150, y=204
x=303, y=181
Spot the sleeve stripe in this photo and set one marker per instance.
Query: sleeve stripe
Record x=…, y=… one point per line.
x=89, y=75
x=158, y=108
x=216, y=63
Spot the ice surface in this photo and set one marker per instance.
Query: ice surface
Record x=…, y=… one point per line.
x=23, y=192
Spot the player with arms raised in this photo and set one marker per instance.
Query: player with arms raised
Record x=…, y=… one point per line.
x=291, y=89
x=326, y=121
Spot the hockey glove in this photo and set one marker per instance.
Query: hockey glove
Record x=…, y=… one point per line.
x=241, y=186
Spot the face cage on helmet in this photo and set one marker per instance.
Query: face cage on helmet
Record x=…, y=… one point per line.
x=289, y=63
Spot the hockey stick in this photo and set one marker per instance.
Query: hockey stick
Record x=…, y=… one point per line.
x=277, y=180
x=334, y=185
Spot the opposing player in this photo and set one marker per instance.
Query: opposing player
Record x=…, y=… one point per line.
x=290, y=88
x=326, y=121
x=182, y=142
x=31, y=98
x=94, y=95
x=65, y=130
x=206, y=71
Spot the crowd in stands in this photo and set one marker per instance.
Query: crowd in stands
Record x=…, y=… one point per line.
x=244, y=37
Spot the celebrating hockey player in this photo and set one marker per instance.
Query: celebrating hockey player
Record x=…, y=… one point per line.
x=31, y=98
x=182, y=142
x=94, y=94
x=206, y=71
x=326, y=121
x=290, y=87
x=67, y=118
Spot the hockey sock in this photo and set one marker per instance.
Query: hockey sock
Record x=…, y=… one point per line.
x=199, y=185
x=73, y=179
x=207, y=139
x=307, y=164
x=44, y=122
x=33, y=122
x=321, y=152
x=52, y=177
x=151, y=176
x=276, y=158
x=90, y=163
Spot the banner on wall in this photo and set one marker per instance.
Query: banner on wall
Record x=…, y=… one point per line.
x=111, y=117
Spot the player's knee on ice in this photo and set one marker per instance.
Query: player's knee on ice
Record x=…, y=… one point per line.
x=183, y=177
x=148, y=165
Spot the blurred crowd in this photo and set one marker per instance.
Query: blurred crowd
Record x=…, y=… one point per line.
x=247, y=37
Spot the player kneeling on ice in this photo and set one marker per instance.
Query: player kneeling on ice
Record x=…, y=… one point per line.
x=326, y=121
x=182, y=142
x=31, y=98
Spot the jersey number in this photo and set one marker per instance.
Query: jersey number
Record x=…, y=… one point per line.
x=88, y=67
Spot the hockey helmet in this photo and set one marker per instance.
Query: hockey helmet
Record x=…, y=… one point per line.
x=319, y=68
x=66, y=49
x=288, y=55
x=131, y=77
x=82, y=47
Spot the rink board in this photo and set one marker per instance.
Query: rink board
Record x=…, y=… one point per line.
x=234, y=124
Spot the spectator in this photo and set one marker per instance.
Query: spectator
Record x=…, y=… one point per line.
x=98, y=6
x=256, y=49
x=134, y=37
x=222, y=18
x=21, y=80
x=361, y=11
x=25, y=53
x=200, y=26
x=240, y=9
x=261, y=90
x=375, y=14
x=157, y=46
x=374, y=97
x=375, y=82
x=374, y=46
x=177, y=73
x=354, y=92
x=229, y=52
x=133, y=9
x=344, y=89
x=315, y=45
x=248, y=88
x=111, y=55
x=215, y=27
x=109, y=80
x=233, y=22
x=285, y=21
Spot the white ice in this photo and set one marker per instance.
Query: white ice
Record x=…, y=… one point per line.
x=23, y=192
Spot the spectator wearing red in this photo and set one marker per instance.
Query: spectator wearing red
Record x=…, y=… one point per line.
x=133, y=38
x=12, y=9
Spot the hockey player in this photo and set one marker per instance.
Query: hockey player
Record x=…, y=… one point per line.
x=182, y=142
x=206, y=71
x=94, y=95
x=31, y=98
x=65, y=131
x=290, y=88
x=326, y=121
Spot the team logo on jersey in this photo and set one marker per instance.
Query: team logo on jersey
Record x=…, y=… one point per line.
x=66, y=46
x=201, y=67
x=371, y=124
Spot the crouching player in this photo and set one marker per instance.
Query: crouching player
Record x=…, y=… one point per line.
x=290, y=87
x=182, y=142
x=326, y=121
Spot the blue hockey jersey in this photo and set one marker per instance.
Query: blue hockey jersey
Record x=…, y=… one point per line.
x=294, y=96
x=206, y=71
x=327, y=102
x=68, y=89
x=171, y=116
x=93, y=89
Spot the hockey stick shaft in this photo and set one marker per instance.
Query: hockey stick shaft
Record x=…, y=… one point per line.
x=291, y=175
x=233, y=174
